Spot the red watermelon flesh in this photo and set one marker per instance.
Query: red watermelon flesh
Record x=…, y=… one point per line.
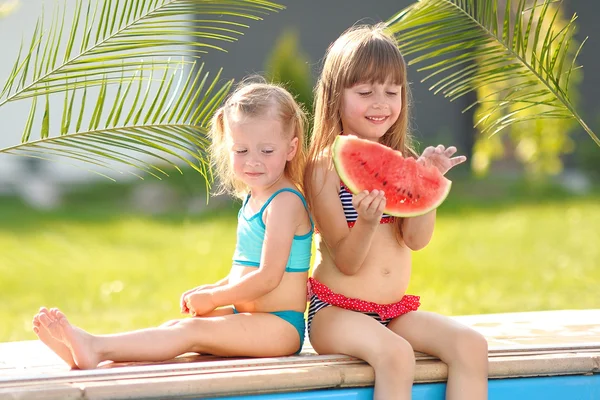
x=410, y=188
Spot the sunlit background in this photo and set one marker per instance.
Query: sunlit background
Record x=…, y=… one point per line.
x=520, y=230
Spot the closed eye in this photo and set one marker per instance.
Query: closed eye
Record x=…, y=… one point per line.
x=392, y=93
x=268, y=151
x=240, y=151
x=364, y=93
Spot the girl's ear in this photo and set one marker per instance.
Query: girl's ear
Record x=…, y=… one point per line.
x=293, y=148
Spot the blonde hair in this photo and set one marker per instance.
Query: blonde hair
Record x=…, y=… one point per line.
x=257, y=100
x=362, y=54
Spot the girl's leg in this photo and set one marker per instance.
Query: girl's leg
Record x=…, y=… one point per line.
x=338, y=331
x=219, y=312
x=463, y=349
x=46, y=317
x=230, y=335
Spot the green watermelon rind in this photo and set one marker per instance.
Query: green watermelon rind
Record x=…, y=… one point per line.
x=337, y=145
x=434, y=206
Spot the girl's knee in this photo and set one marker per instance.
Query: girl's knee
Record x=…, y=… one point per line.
x=395, y=353
x=471, y=348
x=189, y=328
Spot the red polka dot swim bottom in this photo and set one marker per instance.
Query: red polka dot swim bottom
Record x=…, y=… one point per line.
x=321, y=296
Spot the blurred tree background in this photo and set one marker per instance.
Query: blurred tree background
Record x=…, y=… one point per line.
x=289, y=65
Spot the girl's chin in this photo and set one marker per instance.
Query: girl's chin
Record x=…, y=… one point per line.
x=373, y=136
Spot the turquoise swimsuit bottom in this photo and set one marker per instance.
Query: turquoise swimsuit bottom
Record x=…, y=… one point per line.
x=295, y=318
x=250, y=238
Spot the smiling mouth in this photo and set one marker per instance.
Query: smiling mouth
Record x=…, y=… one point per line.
x=377, y=119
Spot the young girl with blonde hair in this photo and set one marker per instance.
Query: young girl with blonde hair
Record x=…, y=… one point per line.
x=358, y=305
x=258, y=138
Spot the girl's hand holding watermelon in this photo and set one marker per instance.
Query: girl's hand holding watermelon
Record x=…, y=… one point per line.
x=441, y=158
x=369, y=205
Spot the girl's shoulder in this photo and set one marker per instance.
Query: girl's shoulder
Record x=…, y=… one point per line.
x=287, y=203
x=325, y=155
x=288, y=196
x=323, y=169
x=322, y=163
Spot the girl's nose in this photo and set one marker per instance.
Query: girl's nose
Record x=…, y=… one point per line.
x=253, y=162
x=380, y=102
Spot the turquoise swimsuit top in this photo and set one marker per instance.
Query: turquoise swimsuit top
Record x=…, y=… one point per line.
x=251, y=235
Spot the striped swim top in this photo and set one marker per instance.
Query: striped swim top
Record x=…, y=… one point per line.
x=349, y=211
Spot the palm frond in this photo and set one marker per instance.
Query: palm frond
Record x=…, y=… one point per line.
x=469, y=44
x=107, y=38
x=148, y=122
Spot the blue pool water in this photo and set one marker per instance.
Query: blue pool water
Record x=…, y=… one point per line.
x=578, y=387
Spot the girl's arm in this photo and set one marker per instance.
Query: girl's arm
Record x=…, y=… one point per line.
x=348, y=247
x=417, y=231
x=282, y=218
x=222, y=282
x=182, y=304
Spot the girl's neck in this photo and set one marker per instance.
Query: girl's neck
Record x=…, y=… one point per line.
x=262, y=193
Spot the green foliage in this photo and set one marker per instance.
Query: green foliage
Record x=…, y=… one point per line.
x=518, y=56
x=538, y=142
x=588, y=157
x=288, y=65
x=158, y=109
x=520, y=59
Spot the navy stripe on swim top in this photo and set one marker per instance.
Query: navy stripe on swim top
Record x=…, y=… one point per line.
x=349, y=210
x=251, y=235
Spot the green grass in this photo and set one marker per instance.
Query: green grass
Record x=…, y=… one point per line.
x=109, y=272
x=520, y=258
x=112, y=270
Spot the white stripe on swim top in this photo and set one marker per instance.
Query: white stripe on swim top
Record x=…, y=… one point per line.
x=349, y=211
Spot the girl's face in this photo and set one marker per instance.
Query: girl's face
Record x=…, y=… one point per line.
x=259, y=149
x=368, y=110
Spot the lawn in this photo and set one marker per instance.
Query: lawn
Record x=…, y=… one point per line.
x=111, y=269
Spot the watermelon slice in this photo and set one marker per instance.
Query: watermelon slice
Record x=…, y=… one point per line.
x=410, y=188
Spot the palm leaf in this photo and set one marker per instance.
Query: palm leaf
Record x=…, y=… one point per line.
x=107, y=38
x=149, y=122
x=465, y=45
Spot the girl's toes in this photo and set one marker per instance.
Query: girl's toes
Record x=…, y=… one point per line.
x=60, y=317
x=45, y=320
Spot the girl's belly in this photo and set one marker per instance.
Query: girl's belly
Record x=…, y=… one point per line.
x=290, y=294
x=383, y=278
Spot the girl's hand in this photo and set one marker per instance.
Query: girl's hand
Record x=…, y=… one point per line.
x=200, y=302
x=369, y=206
x=182, y=304
x=441, y=158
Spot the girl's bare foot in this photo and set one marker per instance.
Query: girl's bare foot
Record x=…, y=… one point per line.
x=40, y=321
x=78, y=341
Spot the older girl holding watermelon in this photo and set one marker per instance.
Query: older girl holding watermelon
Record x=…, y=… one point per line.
x=258, y=309
x=358, y=304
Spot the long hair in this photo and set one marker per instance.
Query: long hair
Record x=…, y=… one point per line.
x=362, y=54
x=257, y=100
